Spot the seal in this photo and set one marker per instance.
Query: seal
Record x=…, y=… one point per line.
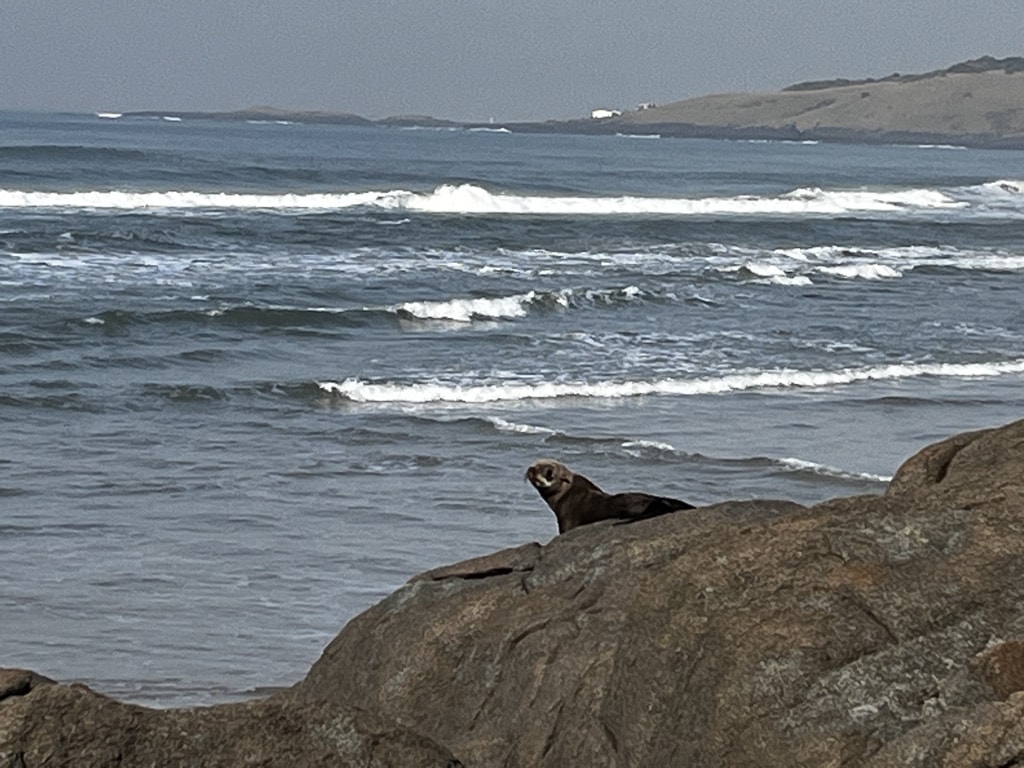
x=576, y=501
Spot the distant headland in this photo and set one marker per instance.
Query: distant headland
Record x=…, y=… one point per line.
x=976, y=103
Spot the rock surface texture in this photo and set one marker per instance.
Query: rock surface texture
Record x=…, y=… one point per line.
x=46, y=724
x=869, y=631
x=864, y=631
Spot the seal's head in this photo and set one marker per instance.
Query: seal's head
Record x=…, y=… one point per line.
x=549, y=477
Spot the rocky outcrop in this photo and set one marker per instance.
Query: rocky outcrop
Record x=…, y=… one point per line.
x=865, y=631
x=874, y=630
x=46, y=724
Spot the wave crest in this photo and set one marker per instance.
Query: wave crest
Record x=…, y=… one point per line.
x=473, y=199
x=467, y=310
x=814, y=468
x=359, y=391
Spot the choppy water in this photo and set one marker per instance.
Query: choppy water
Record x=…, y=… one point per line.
x=255, y=376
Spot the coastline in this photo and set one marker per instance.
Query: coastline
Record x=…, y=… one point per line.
x=611, y=127
x=976, y=104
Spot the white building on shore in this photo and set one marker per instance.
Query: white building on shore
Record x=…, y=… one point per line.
x=601, y=114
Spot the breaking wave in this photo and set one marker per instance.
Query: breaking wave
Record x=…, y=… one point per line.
x=515, y=428
x=799, y=465
x=359, y=391
x=467, y=310
x=998, y=196
x=800, y=266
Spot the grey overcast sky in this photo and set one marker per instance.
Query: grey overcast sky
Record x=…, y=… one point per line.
x=469, y=59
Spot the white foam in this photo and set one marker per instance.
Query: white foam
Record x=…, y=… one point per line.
x=791, y=280
x=649, y=445
x=122, y=200
x=359, y=391
x=602, y=296
x=862, y=271
x=905, y=259
x=799, y=465
x=1003, y=187
x=1000, y=198
x=797, y=266
x=763, y=270
x=502, y=425
x=433, y=128
x=770, y=273
x=109, y=115
x=466, y=310
x=472, y=199
x=840, y=201
x=468, y=198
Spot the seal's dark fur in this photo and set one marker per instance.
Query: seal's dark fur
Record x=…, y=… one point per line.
x=576, y=501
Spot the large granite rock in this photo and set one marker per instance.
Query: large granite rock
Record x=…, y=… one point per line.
x=46, y=724
x=865, y=631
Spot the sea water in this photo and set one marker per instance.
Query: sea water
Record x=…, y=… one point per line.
x=254, y=376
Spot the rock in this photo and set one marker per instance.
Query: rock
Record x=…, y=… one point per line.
x=864, y=631
x=969, y=469
x=518, y=560
x=43, y=723
x=18, y=682
x=876, y=631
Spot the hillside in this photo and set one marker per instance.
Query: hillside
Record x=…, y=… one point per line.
x=980, y=103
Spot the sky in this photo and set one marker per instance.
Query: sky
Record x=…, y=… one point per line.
x=468, y=59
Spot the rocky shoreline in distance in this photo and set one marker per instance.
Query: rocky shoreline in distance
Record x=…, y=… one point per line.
x=977, y=103
x=875, y=630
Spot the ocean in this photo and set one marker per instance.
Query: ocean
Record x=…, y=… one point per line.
x=255, y=376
